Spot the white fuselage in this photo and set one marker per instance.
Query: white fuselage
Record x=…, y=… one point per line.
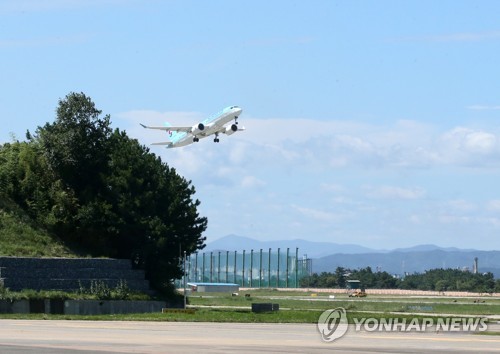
x=212, y=125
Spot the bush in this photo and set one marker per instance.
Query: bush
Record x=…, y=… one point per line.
x=99, y=290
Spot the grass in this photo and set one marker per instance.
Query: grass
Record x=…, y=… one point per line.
x=369, y=304
x=20, y=237
x=489, y=333
x=296, y=308
x=217, y=315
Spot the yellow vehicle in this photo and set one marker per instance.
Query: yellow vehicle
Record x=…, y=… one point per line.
x=358, y=293
x=354, y=288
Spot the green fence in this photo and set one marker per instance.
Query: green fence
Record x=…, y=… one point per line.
x=252, y=269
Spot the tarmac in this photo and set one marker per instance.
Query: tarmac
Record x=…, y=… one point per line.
x=28, y=336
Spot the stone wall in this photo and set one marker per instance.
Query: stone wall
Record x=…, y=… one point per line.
x=18, y=273
x=81, y=307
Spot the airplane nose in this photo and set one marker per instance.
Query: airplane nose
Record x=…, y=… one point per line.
x=238, y=111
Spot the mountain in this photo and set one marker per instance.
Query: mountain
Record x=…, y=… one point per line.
x=398, y=262
x=310, y=248
x=327, y=256
x=420, y=248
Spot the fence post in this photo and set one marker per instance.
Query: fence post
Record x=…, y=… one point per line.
x=297, y=267
x=243, y=271
x=218, y=269
x=251, y=268
x=260, y=269
x=211, y=266
x=278, y=270
x=269, y=270
x=234, y=268
x=227, y=265
x=287, y=255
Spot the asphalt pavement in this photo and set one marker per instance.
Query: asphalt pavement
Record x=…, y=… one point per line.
x=23, y=336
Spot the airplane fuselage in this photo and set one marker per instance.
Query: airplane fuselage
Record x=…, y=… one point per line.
x=211, y=126
x=214, y=125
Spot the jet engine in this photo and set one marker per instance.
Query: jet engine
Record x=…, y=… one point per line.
x=197, y=129
x=231, y=129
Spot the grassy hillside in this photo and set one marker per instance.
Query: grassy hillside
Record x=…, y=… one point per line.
x=19, y=236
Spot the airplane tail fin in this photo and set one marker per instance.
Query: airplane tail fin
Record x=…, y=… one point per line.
x=172, y=135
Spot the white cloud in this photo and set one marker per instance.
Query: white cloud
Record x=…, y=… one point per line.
x=332, y=187
x=45, y=41
x=483, y=107
x=23, y=6
x=391, y=192
x=319, y=215
x=454, y=219
x=303, y=143
x=461, y=205
x=251, y=182
x=476, y=221
x=493, y=205
x=415, y=219
x=462, y=146
x=455, y=37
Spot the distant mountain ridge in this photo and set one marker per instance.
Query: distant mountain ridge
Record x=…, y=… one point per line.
x=420, y=248
x=311, y=248
x=327, y=256
x=397, y=262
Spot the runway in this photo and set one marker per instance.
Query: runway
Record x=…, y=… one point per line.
x=22, y=336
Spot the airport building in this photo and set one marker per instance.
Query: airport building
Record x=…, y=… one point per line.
x=213, y=287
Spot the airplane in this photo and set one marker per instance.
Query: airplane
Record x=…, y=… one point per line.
x=214, y=125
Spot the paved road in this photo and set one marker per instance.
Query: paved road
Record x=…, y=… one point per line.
x=19, y=336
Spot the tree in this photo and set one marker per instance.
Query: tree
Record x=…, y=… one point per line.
x=76, y=145
x=155, y=217
x=340, y=276
x=449, y=280
x=104, y=193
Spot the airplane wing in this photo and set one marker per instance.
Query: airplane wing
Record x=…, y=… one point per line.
x=162, y=143
x=172, y=129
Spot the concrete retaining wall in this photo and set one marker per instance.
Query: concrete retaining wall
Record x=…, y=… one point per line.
x=66, y=274
x=94, y=307
x=81, y=307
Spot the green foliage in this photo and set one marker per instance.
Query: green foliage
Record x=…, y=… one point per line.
x=374, y=280
x=76, y=146
x=99, y=290
x=367, y=278
x=4, y=293
x=450, y=280
x=434, y=279
x=19, y=236
x=103, y=193
x=122, y=290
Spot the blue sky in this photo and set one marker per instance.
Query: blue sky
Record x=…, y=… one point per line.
x=369, y=122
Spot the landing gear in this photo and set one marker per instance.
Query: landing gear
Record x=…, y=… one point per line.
x=236, y=120
x=196, y=139
x=216, y=140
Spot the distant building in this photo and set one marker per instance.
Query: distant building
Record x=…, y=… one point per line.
x=353, y=284
x=214, y=287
